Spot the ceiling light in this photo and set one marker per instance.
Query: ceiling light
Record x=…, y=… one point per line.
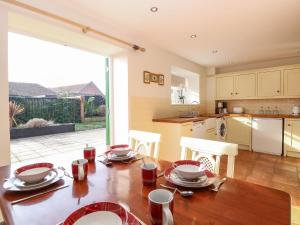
x=154, y=9
x=214, y=51
x=193, y=36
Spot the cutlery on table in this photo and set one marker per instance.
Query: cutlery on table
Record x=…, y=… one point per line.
x=65, y=172
x=38, y=194
x=132, y=160
x=217, y=184
x=182, y=193
x=161, y=174
x=105, y=162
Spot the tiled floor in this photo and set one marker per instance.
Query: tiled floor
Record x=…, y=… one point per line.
x=26, y=149
x=277, y=172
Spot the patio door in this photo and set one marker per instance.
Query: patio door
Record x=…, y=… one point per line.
x=107, y=100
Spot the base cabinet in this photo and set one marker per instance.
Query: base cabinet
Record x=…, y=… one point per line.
x=239, y=131
x=292, y=137
x=169, y=148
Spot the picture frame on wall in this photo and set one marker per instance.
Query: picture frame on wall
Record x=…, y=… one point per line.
x=161, y=79
x=154, y=78
x=147, y=77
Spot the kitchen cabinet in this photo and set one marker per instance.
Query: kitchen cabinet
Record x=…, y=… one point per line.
x=291, y=79
x=169, y=147
x=292, y=137
x=236, y=86
x=239, y=131
x=245, y=86
x=225, y=87
x=269, y=83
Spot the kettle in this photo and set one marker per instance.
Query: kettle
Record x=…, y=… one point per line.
x=296, y=110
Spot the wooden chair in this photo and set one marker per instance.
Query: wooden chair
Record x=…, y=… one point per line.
x=144, y=142
x=209, y=153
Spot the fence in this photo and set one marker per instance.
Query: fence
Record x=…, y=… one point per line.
x=60, y=110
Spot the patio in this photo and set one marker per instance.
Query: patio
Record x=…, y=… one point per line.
x=60, y=145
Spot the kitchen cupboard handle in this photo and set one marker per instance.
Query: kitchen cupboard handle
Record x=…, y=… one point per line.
x=278, y=91
x=236, y=93
x=231, y=93
x=289, y=125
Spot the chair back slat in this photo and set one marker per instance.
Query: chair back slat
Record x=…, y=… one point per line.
x=210, y=152
x=145, y=142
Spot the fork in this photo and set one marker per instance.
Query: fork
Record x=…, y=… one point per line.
x=65, y=172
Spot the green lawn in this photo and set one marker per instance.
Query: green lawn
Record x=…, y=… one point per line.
x=89, y=125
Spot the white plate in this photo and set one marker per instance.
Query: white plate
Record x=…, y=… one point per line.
x=101, y=217
x=21, y=184
x=9, y=185
x=201, y=183
x=114, y=157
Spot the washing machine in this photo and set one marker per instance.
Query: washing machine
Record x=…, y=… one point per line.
x=221, y=129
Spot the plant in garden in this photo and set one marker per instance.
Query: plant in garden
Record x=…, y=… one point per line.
x=88, y=106
x=14, y=110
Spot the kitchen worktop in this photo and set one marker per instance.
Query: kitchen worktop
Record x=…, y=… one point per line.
x=206, y=116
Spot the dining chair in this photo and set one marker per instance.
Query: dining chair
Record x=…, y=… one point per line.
x=144, y=142
x=209, y=153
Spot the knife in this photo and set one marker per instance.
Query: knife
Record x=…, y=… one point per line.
x=36, y=195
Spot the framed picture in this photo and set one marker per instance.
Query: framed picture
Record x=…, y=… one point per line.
x=147, y=77
x=154, y=78
x=161, y=79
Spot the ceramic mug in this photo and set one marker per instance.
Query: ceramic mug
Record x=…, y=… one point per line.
x=80, y=169
x=149, y=173
x=161, y=204
x=89, y=153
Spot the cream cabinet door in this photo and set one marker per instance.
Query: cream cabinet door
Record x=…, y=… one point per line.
x=291, y=79
x=269, y=83
x=238, y=130
x=245, y=86
x=225, y=87
x=292, y=136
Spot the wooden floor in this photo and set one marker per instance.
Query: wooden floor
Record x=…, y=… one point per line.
x=277, y=172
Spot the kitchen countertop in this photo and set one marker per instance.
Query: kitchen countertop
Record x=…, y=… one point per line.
x=206, y=116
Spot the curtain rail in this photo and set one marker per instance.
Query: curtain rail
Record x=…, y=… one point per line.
x=85, y=29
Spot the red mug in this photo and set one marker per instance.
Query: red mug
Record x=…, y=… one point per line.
x=149, y=173
x=89, y=153
x=80, y=169
x=161, y=203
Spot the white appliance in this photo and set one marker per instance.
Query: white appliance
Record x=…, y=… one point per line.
x=296, y=110
x=238, y=109
x=221, y=129
x=204, y=129
x=267, y=135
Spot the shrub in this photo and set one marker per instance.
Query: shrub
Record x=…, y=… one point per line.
x=14, y=110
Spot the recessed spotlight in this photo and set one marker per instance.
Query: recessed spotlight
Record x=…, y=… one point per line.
x=153, y=9
x=214, y=51
x=193, y=36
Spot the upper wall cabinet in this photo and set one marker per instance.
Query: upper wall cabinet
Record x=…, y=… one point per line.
x=269, y=84
x=292, y=82
x=245, y=86
x=236, y=86
x=225, y=87
x=276, y=82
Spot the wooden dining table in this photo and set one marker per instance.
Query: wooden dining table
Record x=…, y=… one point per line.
x=237, y=202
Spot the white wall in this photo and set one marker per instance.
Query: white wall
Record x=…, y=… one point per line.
x=4, y=121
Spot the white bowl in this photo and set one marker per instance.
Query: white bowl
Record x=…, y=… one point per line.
x=120, y=150
x=189, y=171
x=33, y=173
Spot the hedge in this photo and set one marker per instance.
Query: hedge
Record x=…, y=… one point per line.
x=60, y=110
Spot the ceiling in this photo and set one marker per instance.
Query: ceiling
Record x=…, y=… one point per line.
x=241, y=31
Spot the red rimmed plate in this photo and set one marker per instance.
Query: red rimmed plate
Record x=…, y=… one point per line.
x=107, y=213
x=33, y=173
x=173, y=178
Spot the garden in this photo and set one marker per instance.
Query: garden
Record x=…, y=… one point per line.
x=41, y=116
